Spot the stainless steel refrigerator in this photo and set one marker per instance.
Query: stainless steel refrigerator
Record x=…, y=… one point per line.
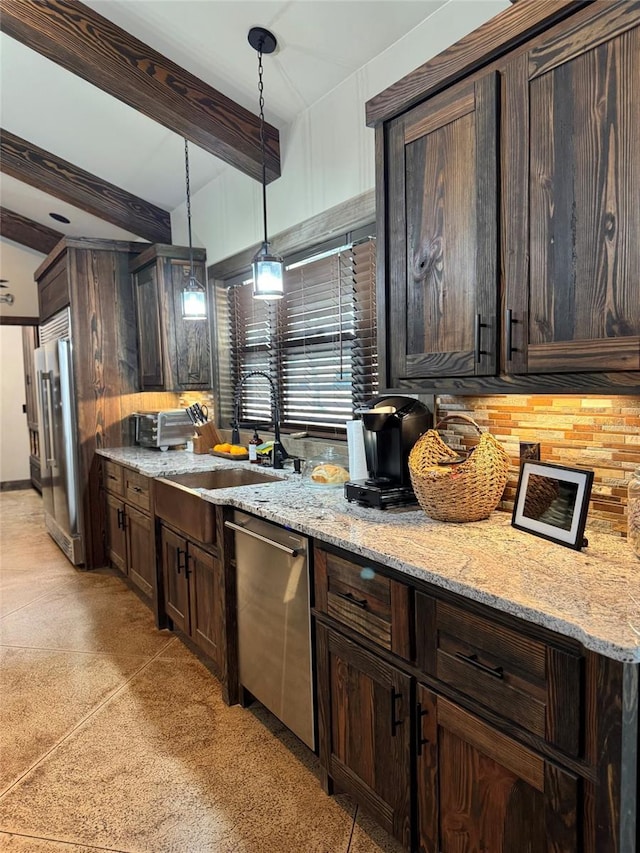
x=58, y=435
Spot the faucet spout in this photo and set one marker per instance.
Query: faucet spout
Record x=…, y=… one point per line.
x=279, y=453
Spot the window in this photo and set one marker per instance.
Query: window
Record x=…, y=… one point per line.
x=318, y=343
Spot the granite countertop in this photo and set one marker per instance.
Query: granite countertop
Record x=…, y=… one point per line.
x=592, y=595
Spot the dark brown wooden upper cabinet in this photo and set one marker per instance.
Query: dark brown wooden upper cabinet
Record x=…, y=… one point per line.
x=571, y=198
x=441, y=303
x=174, y=353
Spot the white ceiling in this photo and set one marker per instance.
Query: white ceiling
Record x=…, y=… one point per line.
x=320, y=43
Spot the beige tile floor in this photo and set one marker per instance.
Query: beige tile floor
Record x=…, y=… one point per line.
x=114, y=736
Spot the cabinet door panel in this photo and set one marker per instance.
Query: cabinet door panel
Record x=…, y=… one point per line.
x=579, y=191
x=489, y=792
x=176, y=594
x=139, y=549
x=206, y=602
x=149, y=328
x=443, y=304
x=192, y=347
x=366, y=713
x=116, y=536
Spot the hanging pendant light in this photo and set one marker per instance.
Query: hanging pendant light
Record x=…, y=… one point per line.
x=268, y=268
x=194, y=297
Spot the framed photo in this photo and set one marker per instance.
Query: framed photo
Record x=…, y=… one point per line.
x=552, y=501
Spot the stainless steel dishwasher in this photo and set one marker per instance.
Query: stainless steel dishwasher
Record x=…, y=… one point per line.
x=274, y=620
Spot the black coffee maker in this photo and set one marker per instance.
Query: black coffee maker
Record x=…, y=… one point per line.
x=391, y=426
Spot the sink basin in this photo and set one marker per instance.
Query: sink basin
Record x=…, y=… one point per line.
x=222, y=478
x=178, y=502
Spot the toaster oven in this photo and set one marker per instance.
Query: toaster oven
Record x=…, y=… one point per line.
x=162, y=429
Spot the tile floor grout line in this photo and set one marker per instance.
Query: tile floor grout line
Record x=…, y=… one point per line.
x=67, y=651
x=66, y=843
x=82, y=722
x=353, y=828
x=29, y=603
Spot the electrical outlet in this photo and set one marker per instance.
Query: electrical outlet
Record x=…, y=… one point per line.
x=529, y=450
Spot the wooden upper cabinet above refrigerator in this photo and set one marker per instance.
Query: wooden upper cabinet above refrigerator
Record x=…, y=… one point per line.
x=442, y=241
x=174, y=352
x=571, y=194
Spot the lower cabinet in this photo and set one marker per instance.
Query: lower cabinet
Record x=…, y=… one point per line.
x=366, y=710
x=478, y=789
x=129, y=526
x=193, y=592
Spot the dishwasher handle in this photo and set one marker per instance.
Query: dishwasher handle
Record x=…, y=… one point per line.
x=293, y=552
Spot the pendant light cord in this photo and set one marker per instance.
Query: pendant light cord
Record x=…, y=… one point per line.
x=262, y=144
x=186, y=169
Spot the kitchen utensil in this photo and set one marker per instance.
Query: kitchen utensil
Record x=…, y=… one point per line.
x=202, y=412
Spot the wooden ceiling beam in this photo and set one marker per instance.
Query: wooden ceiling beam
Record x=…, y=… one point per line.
x=87, y=44
x=25, y=231
x=61, y=179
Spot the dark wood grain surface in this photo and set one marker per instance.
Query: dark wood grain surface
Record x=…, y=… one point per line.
x=61, y=179
x=494, y=38
x=27, y=232
x=206, y=603
x=89, y=45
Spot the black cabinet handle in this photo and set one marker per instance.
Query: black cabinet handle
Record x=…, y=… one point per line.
x=350, y=597
x=137, y=489
x=509, y=321
x=394, y=721
x=120, y=519
x=179, y=565
x=497, y=672
x=187, y=570
x=420, y=741
x=477, y=338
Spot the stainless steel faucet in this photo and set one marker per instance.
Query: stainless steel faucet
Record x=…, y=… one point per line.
x=279, y=453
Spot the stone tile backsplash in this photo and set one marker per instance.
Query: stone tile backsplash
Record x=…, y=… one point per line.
x=601, y=433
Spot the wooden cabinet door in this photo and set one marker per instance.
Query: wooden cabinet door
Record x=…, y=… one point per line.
x=479, y=790
x=206, y=602
x=174, y=573
x=140, y=550
x=150, y=348
x=191, y=363
x=571, y=206
x=365, y=710
x=116, y=535
x=442, y=240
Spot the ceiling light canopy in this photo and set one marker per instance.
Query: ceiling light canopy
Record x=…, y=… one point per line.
x=268, y=267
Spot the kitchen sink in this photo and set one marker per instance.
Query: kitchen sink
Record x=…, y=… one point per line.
x=178, y=502
x=222, y=478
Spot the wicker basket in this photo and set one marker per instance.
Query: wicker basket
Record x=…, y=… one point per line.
x=466, y=491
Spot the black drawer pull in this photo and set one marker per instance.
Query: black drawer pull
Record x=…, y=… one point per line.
x=420, y=741
x=121, y=519
x=497, y=672
x=350, y=597
x=394, y=721
x=179, y=553
x=137, y=489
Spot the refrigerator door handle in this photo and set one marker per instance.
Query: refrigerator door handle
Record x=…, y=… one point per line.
x=47, y=413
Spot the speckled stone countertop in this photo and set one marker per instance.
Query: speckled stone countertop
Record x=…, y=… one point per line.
x=592, y=595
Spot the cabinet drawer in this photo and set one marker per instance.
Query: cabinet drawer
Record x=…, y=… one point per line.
x=526, y=680
x=113, y=478
x=136, y=489
x=365, y=601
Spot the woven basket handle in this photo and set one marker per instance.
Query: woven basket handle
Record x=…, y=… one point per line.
x=465, y=418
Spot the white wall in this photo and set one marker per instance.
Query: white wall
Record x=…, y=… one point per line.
x=14, y=437
x=18, y=264
x=328, y=152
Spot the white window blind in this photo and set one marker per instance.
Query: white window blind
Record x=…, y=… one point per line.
x=318, y=343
